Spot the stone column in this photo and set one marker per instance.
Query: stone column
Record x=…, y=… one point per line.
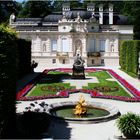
x=59, y=44
x=32, y=45
x=71, y=46
x=107, y=46
x=97, y=47
x=110, y=13
x=37, y=46
x=84, y=47
x=101, y=14
x=49, y=44
x=116, y=44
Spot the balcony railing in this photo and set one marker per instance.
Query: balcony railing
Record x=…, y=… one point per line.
x=93, y=54
x=62, y=54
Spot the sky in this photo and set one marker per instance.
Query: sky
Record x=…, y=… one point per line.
x=20, y=0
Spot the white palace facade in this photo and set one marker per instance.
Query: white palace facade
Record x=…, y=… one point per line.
x=58, y=37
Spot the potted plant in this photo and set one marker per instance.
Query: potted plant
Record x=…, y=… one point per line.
x=129, y=125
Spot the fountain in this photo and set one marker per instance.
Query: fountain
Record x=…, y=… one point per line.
x=81, y=107
x=82, y=112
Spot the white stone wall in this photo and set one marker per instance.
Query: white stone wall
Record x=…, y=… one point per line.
x=45, y=56
x=125, y=29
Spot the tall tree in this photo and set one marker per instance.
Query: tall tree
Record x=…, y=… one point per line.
x=7, y=8
x=8, y=74
x=36, y=8
x=57, y=5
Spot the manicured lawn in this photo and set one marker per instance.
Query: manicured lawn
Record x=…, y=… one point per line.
x=45, y=89
x=57, y=72
x=102, y=77
x=51, y=84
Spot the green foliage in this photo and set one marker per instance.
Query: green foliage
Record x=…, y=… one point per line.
x=130, y=73
x=57, y=72
x=100, y=74
x=7, y=8
x=129, y=125
x=129, y=56
x=10, y=46
x=102, y=77
x=57, y=5
x=24, y=57
x=33, y=9
x=8, y=68
x=47, y=89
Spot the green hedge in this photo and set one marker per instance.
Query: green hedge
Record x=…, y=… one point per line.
x=15, y=58
x=24, y=57
x=8, y=79
x=129, y=55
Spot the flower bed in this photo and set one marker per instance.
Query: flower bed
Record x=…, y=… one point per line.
x=65, y=93
x=120, y=98
x=38, y=97
x=30, y=85
x=128, y=86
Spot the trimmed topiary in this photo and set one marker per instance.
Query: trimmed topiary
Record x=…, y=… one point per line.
x=129, y=56
x=129, y=125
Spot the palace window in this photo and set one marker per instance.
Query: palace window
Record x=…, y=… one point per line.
x=65, y=45
x=92, y=45
x=53, y=61
x=102, y=61
x=102, y=45
x=54, y=45
x=92, y=61
x=63, y=62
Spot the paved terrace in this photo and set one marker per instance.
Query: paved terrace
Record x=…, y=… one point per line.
x=97, y=131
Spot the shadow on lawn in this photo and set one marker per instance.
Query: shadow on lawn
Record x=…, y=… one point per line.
x=53, y=78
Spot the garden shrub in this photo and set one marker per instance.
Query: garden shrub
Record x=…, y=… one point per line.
x=24, y=57
x=10, y=46
x=129, y=125
x=8, y=77
x=129, y=56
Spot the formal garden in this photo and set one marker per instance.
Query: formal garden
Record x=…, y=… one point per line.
x=49, y=84
x=23, y=113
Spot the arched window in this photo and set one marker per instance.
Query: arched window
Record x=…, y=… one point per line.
x=92, y=45
x=54, y=45
x=102, y=45
x=65, y=45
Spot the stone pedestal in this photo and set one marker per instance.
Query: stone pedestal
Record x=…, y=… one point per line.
x=78, y=72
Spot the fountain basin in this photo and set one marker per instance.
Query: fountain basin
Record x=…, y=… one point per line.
x=108, y=112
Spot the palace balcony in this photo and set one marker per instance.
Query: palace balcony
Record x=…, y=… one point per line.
x=93, y=54
x=62, y=54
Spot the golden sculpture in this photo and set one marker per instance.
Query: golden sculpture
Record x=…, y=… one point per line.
x=81, y=107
